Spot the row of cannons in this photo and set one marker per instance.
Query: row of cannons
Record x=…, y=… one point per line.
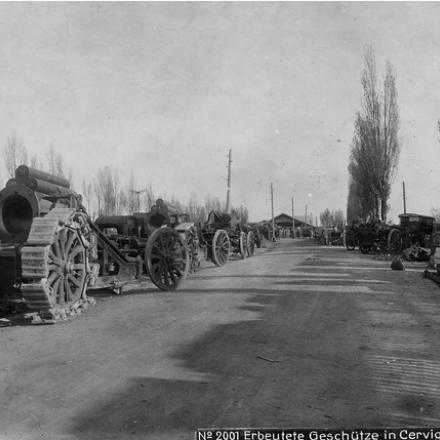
x=413, y=230
x=52, y=252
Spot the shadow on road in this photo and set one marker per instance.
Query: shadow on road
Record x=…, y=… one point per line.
x=286, y=367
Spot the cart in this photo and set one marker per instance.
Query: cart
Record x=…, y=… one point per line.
x=224, y=237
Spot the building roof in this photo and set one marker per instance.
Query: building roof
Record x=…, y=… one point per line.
x=286, y=218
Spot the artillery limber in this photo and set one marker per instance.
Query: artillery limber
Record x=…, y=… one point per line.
x=52, y=252
x=413, y=228
x=374, y=236
x=224, y=236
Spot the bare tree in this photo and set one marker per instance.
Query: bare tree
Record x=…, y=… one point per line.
x=149, y=197
x=212, y=204
x=14, y=154
x=435, y=212
x=107, y=189
x=87, y=194
x=325, y=218
x=133, y=195
x=333, y=219
x=57, y=166
x=376, y=145
x=36, y=163
x=195, y=210
x=242, y=213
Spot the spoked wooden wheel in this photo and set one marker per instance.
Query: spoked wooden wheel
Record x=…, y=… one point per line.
x=221, y=248
x=394, y=241
x=250, y=243
x=349, y=241
x=350, y=245
x=167, y=258
x=365, y=248
x=67, y=268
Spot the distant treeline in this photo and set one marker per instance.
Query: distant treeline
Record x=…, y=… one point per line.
x=108, y=194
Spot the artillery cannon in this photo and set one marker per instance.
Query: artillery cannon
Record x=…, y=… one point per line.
x=374, y=236
x=224, y=236
x=52, y=252
x=413, y=228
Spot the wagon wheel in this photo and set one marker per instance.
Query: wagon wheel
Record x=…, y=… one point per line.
x=349, y=242
x=67, y=268
x=221, y=247
x=250, y=243
x=350, y=246
x=242, y=245
x=394, y=241
x=365, y=248
x=167, y=258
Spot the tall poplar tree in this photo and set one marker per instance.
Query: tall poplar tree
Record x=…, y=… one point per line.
x=375, y=149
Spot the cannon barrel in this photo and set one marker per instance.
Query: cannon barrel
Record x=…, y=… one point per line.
x=21, y=201
x=23, y=172
x=18, y=206
x=42, y=182
x=44, y=187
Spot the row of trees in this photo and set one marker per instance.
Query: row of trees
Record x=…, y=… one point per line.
x=15, y=153
x=375, y=148
x=332, y=219
x=107, y=194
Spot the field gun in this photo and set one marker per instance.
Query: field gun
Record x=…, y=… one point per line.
x=414, y=229
x=52, y=252
x=225, y=236
x=169, y=214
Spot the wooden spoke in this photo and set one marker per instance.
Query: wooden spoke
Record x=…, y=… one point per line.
x=167, y=258
x=67, y=270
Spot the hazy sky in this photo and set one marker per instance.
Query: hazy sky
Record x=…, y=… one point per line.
x=166, y=89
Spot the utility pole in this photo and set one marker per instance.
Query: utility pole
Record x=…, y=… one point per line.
x=306, y=219
x=229, y=181
x=273, y=218
x=293, y=221
x=404, y=199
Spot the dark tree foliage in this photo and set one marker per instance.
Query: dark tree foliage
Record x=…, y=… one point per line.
x=376, y=146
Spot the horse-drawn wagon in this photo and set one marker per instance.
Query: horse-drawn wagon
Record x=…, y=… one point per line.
x=413, y=229
x=224, y=236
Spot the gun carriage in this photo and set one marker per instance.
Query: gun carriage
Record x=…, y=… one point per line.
x=224, y=236
x=52, y=252
x=413, y=228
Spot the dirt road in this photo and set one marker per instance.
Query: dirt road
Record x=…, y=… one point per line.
x=299, y=336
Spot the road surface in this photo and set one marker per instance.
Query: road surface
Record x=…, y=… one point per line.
x=298, y=336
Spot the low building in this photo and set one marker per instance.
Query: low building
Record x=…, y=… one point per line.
x=284, y=222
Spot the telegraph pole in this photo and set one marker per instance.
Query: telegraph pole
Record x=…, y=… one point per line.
x=229, y=181
x=404, y=199
x=306, y=219
x=293, y=221
x=273, y=218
